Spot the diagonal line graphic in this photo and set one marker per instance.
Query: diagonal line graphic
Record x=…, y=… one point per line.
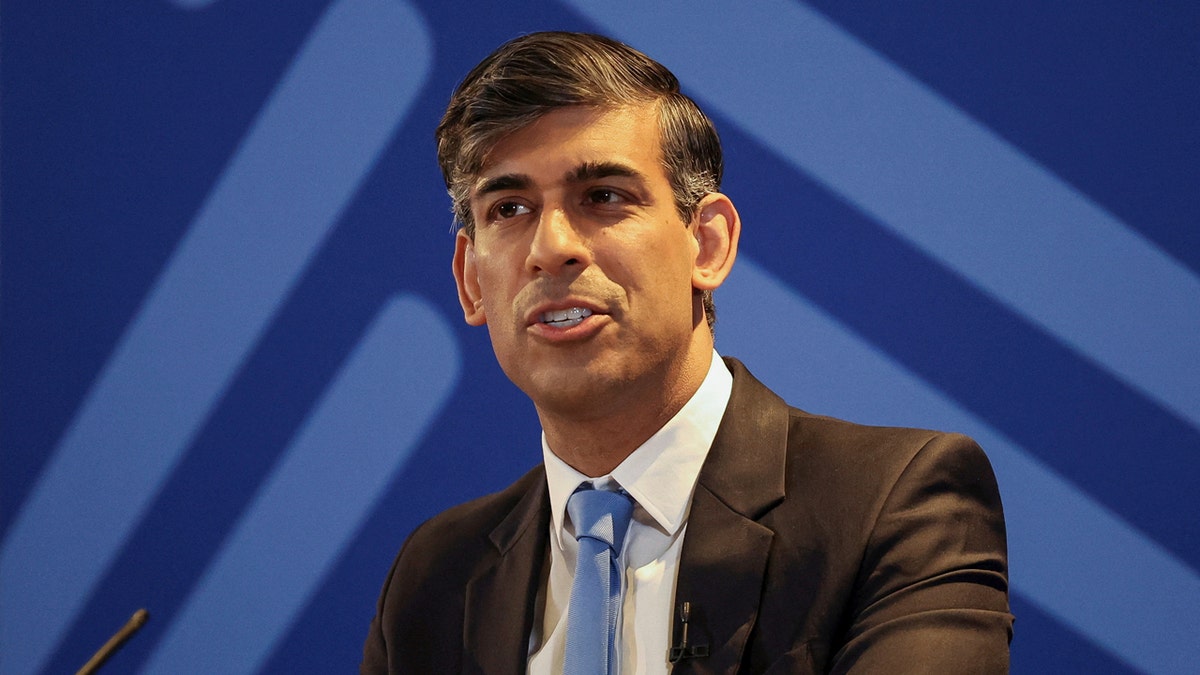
x=193, y=4
x=1069, y=555
x=924, y=169
x=312, y=144
x=361, y=433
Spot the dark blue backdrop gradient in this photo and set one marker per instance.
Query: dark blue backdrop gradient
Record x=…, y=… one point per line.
x=234, y=376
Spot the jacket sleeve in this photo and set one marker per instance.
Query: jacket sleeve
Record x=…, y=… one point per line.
x=932, y=592
x=375, y=649
x=418, y=619
x=374, y=659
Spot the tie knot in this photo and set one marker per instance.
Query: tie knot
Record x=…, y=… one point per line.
x=600, y=514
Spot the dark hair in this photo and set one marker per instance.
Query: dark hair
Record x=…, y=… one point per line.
x=531, y=75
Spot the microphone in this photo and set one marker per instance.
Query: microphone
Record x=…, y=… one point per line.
x=683, y=651
x=114, y=643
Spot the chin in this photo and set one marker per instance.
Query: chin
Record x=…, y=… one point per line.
x=578, y=392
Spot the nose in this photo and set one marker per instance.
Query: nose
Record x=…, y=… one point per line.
x=557, y=247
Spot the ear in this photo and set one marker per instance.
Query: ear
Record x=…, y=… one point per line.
x=716, y=227
x=467, y=279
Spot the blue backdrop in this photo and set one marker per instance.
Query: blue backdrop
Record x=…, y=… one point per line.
x=235, y=376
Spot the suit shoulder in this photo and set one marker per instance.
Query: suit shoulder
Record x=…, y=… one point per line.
x=469, y=524
x=442, y=553
x=870, y=461
x=423, y=601
x=846, y=441
x=822, y=453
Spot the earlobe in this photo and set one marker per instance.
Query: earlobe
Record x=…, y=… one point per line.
x=466, y=277
x=717, y=229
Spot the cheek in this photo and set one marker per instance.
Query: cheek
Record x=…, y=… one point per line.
x=500, y=291
x=490, y=273
x=657, y=277
x=673, y=256
x=659, y=253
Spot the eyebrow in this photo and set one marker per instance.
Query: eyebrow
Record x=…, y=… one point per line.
x=593, y=170
x=509, y=181
x=580, y=174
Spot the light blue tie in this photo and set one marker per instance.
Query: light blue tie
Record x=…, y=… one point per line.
x=600, y=518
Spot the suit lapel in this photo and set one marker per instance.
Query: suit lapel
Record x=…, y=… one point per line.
x=725, y=550
x=500, y=600
x=724, y=553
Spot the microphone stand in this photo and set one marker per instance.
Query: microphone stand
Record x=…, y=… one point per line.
x=114, y=643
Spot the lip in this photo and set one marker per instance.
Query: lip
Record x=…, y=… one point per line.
x=583, y=329
x=534, y=316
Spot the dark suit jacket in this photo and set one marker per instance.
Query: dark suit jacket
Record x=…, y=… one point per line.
x=813, y=545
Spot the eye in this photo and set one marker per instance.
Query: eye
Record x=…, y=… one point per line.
x=605, y=196
x=505, y=210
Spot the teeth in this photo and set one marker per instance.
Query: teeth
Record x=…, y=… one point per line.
x=565, y=318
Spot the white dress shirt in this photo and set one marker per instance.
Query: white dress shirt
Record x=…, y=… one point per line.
x=660, y=476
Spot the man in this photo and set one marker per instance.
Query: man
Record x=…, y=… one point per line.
x=763, y=538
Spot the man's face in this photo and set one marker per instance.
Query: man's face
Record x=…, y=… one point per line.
x=581, y=266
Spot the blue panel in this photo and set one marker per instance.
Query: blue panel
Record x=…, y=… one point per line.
x=280, y=196
x=1068, y=654
x=1098, y=92
x=960, y=215
x=318, y=495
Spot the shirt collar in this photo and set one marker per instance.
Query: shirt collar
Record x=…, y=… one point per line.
x=661, y=474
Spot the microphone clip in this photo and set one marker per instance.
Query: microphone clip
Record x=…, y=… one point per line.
x=683, y=650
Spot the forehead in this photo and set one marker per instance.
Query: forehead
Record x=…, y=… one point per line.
x=566, y=138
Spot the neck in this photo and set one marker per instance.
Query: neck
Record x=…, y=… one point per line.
x=595, y=445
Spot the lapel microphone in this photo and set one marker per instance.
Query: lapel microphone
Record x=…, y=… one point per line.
x=683, y=650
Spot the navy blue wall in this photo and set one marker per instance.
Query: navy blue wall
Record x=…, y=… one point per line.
x=234, y=374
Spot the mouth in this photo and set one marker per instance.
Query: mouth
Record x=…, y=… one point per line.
x=565, y=318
